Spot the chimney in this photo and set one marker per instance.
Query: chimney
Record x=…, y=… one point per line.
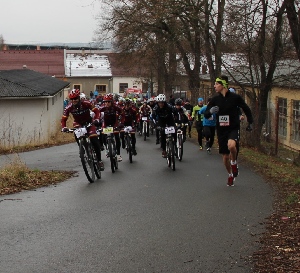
x=24, y=66
x=38, y=47
x=4, y=47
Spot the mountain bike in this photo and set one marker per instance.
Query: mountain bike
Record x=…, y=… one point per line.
x=170, y=146
x=179, y=143
x=111, y=147
x=127, y=139
x=145, y=128
x=87, y=153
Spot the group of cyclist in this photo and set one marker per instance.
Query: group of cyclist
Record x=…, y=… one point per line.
x=222, y=113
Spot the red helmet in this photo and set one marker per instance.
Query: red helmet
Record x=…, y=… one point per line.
x=74, y=93
x=108, y=97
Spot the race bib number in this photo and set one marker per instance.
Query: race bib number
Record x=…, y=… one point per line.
x=144, y=118
x=170, y=130
x=224, y=120
x=108, y=130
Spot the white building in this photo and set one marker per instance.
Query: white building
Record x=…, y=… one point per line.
x=31, y=106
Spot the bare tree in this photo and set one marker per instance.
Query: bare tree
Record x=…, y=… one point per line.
x=293, y=14
x=261, y=46
x=1, y=41
x=169, y=29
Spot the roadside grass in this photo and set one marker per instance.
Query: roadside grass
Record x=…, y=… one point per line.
x=16, y=176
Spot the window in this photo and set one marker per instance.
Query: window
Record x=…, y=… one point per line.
x=296, y=121
x=122, y=87
x=101, y=88
x=282, y=122
x=77, y=86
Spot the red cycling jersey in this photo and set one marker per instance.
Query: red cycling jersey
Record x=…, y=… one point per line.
x=80, y=113
x=129, y=116
x=111, y=114
x=145, y=110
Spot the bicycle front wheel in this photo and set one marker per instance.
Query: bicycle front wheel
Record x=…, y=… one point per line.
x=179, y=147
x=145, y=130
x=129, y=148
x=87, y=160
x=96, y=164
x=111, y=155
x=172, y=154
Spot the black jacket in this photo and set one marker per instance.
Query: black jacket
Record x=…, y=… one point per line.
x=229, y=106
x=163, y=116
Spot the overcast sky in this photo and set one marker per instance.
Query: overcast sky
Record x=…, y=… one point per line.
x=43, y=21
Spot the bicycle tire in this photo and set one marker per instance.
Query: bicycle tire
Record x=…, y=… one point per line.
x=111, y=155
x=115, y=154
x=145, y=130
x=179, y=147
x=87, y=160
x=96, y=164
x=172, y=148
x=168, y=150
x=129, y=148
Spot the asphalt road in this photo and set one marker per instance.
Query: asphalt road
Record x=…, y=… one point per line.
x=143, y=218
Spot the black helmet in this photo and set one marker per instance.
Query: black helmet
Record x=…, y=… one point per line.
x=178, y=101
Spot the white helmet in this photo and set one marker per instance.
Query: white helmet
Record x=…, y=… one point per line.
x=82, y=96
x=161, y=97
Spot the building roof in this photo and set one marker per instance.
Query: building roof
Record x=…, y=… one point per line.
x=50, y=62
x=87, y=64
x=28, y=83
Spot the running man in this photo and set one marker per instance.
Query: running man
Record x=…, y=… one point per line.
x=226, y=105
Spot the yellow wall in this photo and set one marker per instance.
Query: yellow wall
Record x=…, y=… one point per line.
x=281, y=92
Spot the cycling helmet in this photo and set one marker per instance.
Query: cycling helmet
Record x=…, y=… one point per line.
x=82, y=96
x=108, y=97
x=178, y=101
x=74, y=93
x=161, y=98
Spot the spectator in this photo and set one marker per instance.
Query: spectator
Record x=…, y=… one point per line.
x=172, y=100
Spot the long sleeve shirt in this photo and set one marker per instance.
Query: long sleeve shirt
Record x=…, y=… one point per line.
x=228, y=114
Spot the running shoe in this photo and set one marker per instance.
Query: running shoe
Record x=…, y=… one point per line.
x=208, y=150
x=134, y=152
x=164, y=154
x=119, y=158
x=200, y=147
x=235, y=170
x=230, y=181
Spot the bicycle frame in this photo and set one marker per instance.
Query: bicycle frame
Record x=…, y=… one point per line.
x=179, y=141
x=128, y=143
x=111, y=147
x=87, y=153
x=145, y=127
x=170, y=147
